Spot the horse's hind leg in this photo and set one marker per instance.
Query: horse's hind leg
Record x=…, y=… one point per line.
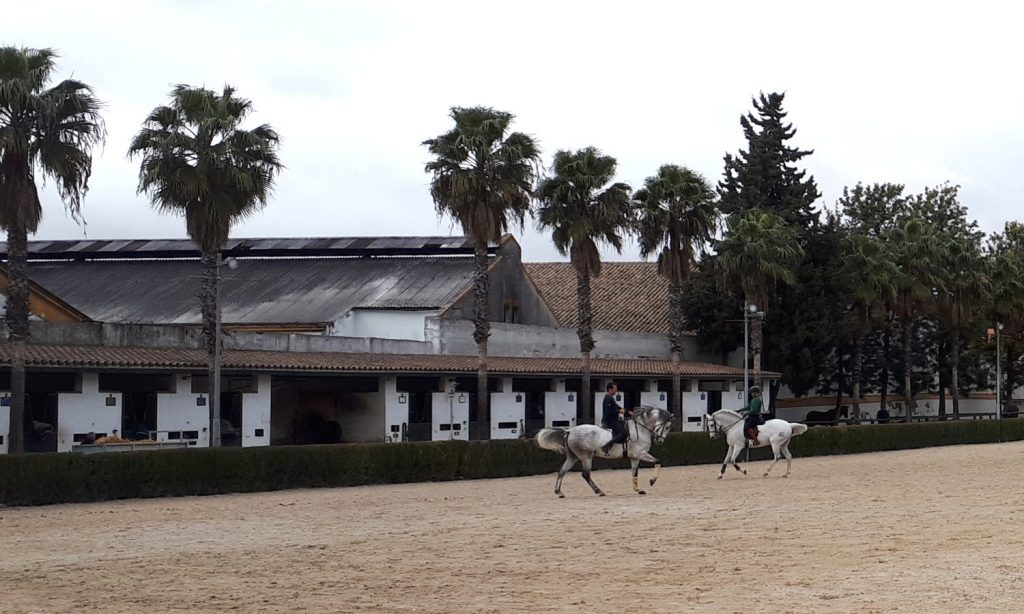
x=657, y=471
x=570, y=461
x=789, y=458
x=586, y=474
x=635, y=462
x=775, y=452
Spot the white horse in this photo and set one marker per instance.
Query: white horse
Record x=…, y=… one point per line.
x=775, y=432
x=583, y=442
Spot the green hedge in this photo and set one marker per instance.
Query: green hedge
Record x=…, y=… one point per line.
x=38, y=479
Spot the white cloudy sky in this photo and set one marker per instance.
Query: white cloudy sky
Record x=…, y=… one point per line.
x=916, y=93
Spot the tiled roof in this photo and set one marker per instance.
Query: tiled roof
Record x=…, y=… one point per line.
x=178, y=358
x=628, y=296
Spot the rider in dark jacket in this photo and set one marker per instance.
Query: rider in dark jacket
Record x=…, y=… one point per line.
x=612, y=418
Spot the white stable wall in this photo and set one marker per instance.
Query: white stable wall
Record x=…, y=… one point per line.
x=256, y=413
x=695, y=406
x=560, y=407
x=181, y=411
x=88, y=411
x=457, y=415
x=508, y=412
x=396, y=410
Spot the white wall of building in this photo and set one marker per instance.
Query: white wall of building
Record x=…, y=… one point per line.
x=183, y=413
x=508, y=412
x=383, y=324
x=5, y=421
x=256, y=413
x=88, y=411
x=449, y=416
x=560, y=407
x=695, y=405
x=396, y=410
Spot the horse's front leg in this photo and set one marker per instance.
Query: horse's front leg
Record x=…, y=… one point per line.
x=725, y=462
x=635, y=463
x=735, y=457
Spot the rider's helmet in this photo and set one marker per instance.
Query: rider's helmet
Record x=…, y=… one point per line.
x=754, y=389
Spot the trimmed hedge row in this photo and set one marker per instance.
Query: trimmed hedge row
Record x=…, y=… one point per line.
x=38, y=479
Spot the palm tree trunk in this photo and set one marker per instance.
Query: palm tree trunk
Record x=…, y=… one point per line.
x=884, y=384
x=585, y=331
x=481, y=331
x=908, y=392
x=675, y=336
x=954, y=369
x=208, y=309
x=858, y=355
x=17, y=331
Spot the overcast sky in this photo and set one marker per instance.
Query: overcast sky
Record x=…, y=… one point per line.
x=914, y=93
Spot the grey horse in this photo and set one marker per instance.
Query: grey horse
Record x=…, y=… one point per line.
x=582, y=443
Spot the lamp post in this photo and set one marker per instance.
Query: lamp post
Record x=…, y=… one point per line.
x=999, y=373
x=749, y=311
x=214, y=387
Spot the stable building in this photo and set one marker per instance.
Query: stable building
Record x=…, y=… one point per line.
x=337, y=339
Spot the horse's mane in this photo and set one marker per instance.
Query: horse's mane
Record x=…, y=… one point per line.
x=728, y=412
x=649, y=409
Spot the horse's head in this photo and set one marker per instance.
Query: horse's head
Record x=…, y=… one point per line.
x=656, y=420
x=713, y=423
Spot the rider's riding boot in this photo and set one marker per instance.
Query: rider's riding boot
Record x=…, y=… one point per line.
x=606, y=448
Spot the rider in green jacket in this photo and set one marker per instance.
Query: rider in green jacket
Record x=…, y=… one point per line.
x=753, y=413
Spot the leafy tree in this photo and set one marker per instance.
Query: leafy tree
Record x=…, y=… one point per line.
x=45, y=132
x=965, y=290
x=677, y=219
x=868, y=278
x=1005, y=252
x=760, y=253
x=482, y=176
x=199, y=163
x=581, y=207
x=915, y=255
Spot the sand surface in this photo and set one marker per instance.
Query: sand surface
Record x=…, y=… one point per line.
x=936, y=530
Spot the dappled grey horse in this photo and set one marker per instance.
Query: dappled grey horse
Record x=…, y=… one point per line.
x=775, y=433
x=582, y=443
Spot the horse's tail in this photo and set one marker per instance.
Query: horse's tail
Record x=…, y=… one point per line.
x=552, y=439
x=798, y=429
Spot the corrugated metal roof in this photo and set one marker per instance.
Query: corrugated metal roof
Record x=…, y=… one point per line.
x=258, y=291
x=310, y=246
x=176, y=358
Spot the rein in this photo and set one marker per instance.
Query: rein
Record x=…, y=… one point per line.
x=655, y=432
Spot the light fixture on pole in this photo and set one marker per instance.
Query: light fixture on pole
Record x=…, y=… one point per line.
x=999, y=373
x=214, y=387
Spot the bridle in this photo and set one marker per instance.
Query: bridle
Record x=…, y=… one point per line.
x=711, y=425
x=659, y=432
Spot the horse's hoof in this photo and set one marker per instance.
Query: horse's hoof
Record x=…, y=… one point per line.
x=600, y=494
x=560, y=495
x=641, y=492
x=744, y=472
x=719, y=476
x=766, y=475
x=652, y=482
x=786, y=476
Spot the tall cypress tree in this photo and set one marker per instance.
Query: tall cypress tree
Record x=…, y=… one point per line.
x=765, y=175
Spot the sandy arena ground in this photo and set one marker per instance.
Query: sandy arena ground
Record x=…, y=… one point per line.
x=935, y=530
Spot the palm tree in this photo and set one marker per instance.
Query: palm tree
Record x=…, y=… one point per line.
x=1006, y=272
x=45, y=132
x=759, y=252
x=966, y=288
x=868, y=276
x=198, y=162
x=482, y=176
x=581, y=209
x=676, y=216
x=916, y=257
